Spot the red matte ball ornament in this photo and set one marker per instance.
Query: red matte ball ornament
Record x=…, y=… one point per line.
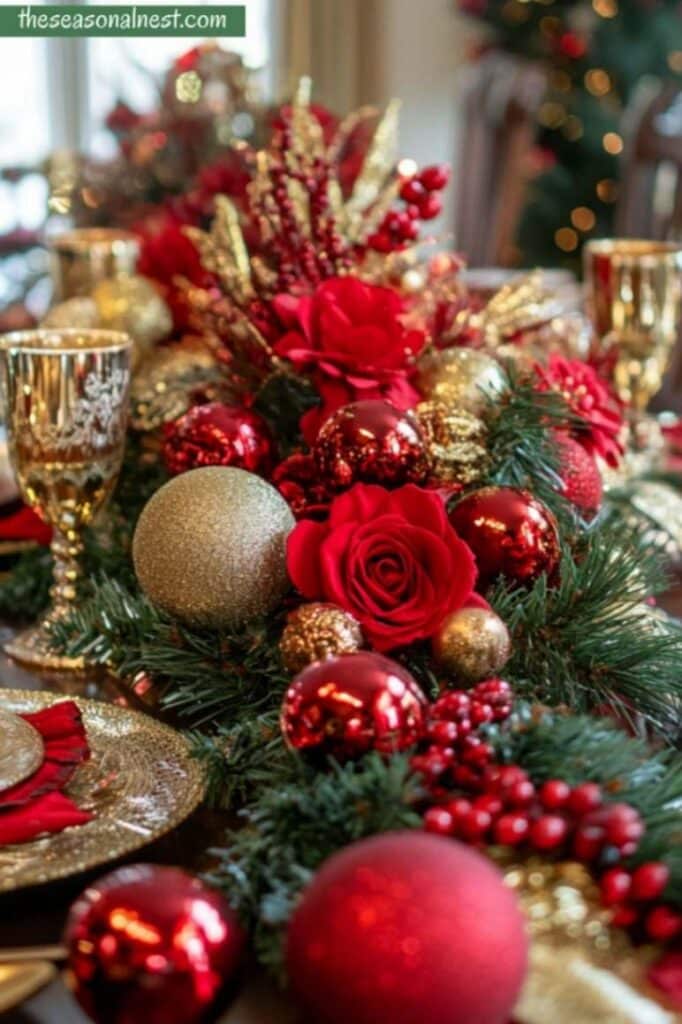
x=407, y=928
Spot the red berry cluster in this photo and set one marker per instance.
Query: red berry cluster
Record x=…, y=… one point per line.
x=500, y=804
x=421, y=195
x=632, y=895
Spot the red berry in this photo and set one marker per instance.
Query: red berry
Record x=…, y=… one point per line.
x=381, y=241
x=439, y=821
x=441, y=732
x=454, y=705
x=623, y=825
x=459, y=808
x=548, y=832
x=511, y=829
x=615, y=886
x=409, y=230
x=649, y=881
x=475, y=824
x=663, y=923
x=412, y=191
x=466, y=777
x=435, y=177
x=430, y=206
x=520, y=794
x=588, y=842
x=473, y=750
x=511, y=774
x=624, y=916
x=554, y=793
x=488, y=802
x=585, y=798
x=481, y=713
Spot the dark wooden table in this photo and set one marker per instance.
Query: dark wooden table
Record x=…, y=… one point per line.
x=36, y=917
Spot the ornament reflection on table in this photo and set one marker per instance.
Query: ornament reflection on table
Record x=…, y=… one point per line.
x=67, y=404
x=634, y=295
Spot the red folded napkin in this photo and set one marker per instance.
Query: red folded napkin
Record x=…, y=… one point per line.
x=24, y=524
x=37, y=805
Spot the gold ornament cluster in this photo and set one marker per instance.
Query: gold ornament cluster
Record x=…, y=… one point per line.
x=472, y=644
x=461, y=378
x=455, y=443
x=317, y=631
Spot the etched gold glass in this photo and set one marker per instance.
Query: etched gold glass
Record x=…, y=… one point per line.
x=81, y=258
x=634, y=296
x=66, y=394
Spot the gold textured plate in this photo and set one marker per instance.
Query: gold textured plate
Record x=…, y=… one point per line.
x=21, y=749
x=140, y=783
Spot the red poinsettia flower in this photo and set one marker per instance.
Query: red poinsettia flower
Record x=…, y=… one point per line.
x=390, y=558
x=351, y=336
x=590, y=398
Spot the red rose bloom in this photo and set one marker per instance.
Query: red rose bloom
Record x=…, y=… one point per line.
x=590, y=398
x=351, y=336
x=390, y=558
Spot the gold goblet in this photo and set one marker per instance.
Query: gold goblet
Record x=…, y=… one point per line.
x=83, y=257
x=66, y=393
x=634, y=296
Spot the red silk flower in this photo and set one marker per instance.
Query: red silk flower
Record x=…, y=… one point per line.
x=590, y=398
x=391, y=558
x=351, y=336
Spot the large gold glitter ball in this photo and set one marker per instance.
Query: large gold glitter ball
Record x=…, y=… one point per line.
x=317, y=631
x=461, y=378
x=210, y=547
x=472, y=644
x=132, y=304
x=455, y=443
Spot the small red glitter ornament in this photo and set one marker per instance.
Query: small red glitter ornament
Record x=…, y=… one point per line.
x=407, y=927
x=150, y=944
x=218, y=435
x=346, y=706
x=371, y=442
x=510, y=532
x=580, y=476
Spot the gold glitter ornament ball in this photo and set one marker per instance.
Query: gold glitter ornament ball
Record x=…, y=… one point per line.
x=316, y=631
x=472, y=644
x=210, y=547
x=455, y=443
x=461, y=378
x=132, y=304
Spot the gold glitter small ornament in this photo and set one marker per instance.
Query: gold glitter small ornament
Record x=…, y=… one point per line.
x=132, y=304
x=162, y=387
x=472, y=644
x=317, y=631
x=210, y=547
x=461, y=378
x=81, y=311
x=455, y=443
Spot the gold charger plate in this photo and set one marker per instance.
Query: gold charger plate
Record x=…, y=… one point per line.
x=21, y=749
x=140, y=783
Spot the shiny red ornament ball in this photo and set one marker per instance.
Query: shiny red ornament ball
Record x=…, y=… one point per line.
x=150, y=945
x=370, y=442
x=409, y=928
x=345, y=706
x=218, y=435
x=510, y=532
x=581, y=481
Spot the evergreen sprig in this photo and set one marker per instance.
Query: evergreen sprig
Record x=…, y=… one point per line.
x=289, y=830
x=588, y=640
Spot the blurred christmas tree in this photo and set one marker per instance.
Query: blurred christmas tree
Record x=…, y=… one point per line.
x=595, y=54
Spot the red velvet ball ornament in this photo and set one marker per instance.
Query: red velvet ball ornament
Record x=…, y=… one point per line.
x=409, y=928
x=150, y=944
x=581, y=479
x=345, y=706
x=370, y=442
x=218, y=435
x=510, y=532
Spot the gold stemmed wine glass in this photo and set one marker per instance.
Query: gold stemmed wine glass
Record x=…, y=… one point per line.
x=66, y=395
x=634, y=296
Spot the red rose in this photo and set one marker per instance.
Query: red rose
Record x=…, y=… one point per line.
x=390, y=558
x=590, y=398
x=350, y=335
